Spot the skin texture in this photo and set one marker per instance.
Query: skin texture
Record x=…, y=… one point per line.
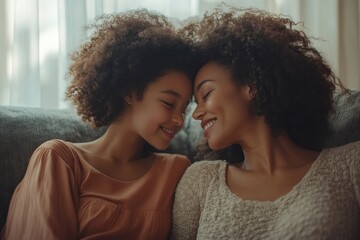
x=270, y=94
x=147, y=119
x=127, y=51
x=135, y=77
x=158, y=116
x=217, y=97
x=292, y=85
x=264, y=96
x=273, y=165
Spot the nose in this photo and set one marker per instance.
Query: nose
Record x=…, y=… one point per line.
x=198, y=113
x=178, y=119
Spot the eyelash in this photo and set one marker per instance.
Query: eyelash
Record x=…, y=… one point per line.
x=168, y=104
x=206, y=95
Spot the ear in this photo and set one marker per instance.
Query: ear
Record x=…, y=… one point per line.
x=129, y=99
x=247, y=91
x=250, y=92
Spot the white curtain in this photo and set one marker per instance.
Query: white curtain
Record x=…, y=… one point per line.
x=37, y=36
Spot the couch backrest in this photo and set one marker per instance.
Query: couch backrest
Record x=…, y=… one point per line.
x=22, y=130
x=345, y=121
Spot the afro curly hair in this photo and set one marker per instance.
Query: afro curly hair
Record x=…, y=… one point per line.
x=293, y=84
x=126, y=52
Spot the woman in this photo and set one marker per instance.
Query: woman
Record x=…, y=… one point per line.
x=265, y=88
x=135, y=77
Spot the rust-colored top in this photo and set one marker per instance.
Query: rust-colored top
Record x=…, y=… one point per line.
x=63, y=197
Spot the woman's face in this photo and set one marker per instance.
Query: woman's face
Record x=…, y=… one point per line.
x=158, y=115
x=222, y=106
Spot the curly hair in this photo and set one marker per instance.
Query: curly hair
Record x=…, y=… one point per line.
x=126, y=52
x=293, y=84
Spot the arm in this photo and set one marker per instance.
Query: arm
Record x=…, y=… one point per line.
x=44, y=205
x=187, y=207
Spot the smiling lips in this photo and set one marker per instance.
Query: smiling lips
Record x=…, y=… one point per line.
x=169, y=133
x=206, y=124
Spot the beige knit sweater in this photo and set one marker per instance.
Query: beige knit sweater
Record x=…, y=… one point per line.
x=323, y=205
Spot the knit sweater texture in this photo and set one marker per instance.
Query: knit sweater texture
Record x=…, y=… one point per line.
x=323, y=205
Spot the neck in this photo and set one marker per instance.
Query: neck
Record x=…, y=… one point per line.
x=265, y=153
x=119, y=143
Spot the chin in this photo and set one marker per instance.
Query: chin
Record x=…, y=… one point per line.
x=160, y=147
x=215, y=145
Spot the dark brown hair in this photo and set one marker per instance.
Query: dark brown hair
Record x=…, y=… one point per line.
x=126, y=52
x=293, y=83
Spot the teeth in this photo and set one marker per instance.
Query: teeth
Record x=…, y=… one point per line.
x=209, y=124
x=168, y=130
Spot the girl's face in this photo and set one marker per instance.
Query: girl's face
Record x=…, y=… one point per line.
x=159, y=115
x=223, y=106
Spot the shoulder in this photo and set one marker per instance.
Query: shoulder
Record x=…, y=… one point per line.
x=198, y=177
x=208, y=167
x=57, y=145
x=171, y=166
x=349, y=157
x=342, y=157
x=205, y=171
x=56, y=150
x=348, y=151
x=176, y=160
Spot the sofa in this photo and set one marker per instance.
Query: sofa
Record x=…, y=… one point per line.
x=22, y=130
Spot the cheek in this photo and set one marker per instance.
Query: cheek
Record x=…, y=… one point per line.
x=237, y=103
x=234, y=115
x=149, y=118
x=238, y=115
x=215, y=104
x=225, y=102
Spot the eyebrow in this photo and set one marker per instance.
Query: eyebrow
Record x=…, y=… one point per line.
x=171, y=92
x=175, y=94
x=202, y=83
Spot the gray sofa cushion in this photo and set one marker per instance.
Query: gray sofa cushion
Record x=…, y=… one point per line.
x=345, y=121
x=344, y=126
x=22, y=130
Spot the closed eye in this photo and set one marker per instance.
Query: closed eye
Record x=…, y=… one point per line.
x=206, y=95
x=167, y=104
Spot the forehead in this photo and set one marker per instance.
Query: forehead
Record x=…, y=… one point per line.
x=212, y=71
x=173, y=80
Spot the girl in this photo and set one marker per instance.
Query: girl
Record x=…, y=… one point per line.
x=135, y=77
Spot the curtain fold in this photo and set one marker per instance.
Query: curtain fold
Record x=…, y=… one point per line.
x=4, y=49
x=25, y=50
x=349, y=43
x=38, y=36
